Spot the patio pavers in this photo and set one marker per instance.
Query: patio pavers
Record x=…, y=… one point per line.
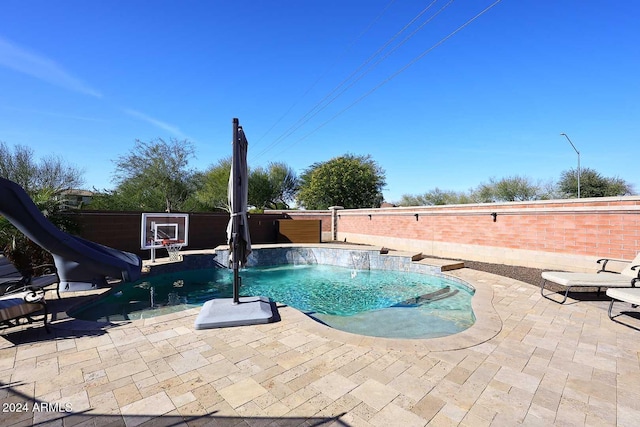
x=531, y=362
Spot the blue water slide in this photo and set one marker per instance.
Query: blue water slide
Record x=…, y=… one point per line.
x=81, y=264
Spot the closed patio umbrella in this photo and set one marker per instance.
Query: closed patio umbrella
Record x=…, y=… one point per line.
x=238, y=227
x=252, y=310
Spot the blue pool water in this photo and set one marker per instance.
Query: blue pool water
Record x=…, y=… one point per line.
x=369, y=302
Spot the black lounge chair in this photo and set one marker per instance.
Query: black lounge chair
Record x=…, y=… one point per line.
x=22, y=304
x=41, y=277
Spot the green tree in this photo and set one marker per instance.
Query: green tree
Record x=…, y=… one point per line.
x=23, y=252
x=284, y=182
x=156, y=169
x=213, y=193
x=435, y=197
x=349, y=181
x=592, y=184
x=129, y=195
x=272, y=187
x=192, y=203
x=509, y=189
x=43, y=180
x=50, y=174
x=517, y=189
x=261, y=189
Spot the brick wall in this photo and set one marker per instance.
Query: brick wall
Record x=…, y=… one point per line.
x=567, y=234
x=556, y=234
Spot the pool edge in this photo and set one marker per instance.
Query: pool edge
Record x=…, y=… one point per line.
x=486, y=326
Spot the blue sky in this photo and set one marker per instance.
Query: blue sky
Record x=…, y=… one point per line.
x=445, y=108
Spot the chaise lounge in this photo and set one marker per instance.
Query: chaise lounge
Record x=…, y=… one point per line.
x=41, y=277
x=22, y=294
x=21, y=304
x=603, y=278
x=630, y=295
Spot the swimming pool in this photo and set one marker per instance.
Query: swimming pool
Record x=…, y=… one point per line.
x=382, y=303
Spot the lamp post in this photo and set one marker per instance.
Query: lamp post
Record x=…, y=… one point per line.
x=578, y=153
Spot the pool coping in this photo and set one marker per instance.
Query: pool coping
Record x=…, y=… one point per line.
x=486, y=326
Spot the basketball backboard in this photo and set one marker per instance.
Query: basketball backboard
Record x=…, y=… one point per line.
x=161, y=229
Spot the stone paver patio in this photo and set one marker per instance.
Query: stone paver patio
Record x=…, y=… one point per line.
x=526, y=361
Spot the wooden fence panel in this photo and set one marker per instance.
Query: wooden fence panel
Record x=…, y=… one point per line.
x=299, y=231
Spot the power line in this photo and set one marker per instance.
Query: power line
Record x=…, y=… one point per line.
x=394, y=75
x=371, y=68
x=314, y=84
x=311, y=113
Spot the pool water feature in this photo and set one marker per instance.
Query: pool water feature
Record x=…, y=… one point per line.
x=384, y=303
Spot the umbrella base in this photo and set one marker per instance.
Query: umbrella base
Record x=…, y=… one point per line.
x=223, y=313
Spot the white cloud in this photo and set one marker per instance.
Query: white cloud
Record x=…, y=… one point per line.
x=162, y=125
x=53, y=114
x=20, y=59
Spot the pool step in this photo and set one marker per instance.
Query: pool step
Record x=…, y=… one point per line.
x=443, y=293
x=444, y=264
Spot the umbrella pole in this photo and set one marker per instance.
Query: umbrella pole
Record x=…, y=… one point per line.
x=236, y=285
x=236, y=262
x=235, y=230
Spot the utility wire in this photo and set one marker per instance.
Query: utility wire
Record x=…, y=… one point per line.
x=371, y=68
x=392, y=76
x=314, y=84
x=305, y=118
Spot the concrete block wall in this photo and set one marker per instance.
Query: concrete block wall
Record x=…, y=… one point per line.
x=557, y=234
x=119, y=230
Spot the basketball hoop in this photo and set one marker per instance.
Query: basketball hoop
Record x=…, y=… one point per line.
x=173, y=249
x=164, y=230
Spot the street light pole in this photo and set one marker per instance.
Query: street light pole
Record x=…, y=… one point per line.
x=578, y=153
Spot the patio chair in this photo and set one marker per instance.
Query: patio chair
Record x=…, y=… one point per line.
x=40, y=277
x=21, y=304
x=603, y=278
x=630, y=295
